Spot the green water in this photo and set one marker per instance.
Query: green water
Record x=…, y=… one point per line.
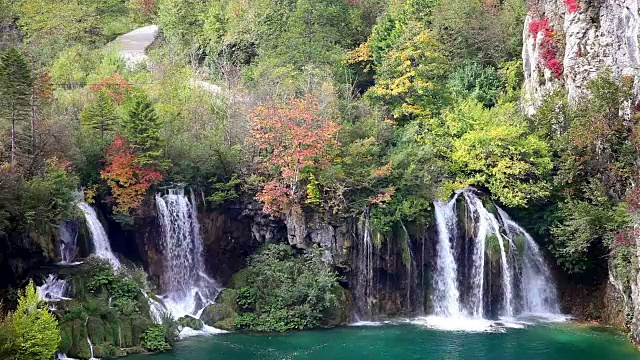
x=552, y=342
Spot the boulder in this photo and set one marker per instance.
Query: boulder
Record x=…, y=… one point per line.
x=190, y=322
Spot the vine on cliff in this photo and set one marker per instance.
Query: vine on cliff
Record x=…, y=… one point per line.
x=549, y=53
x=573, y=6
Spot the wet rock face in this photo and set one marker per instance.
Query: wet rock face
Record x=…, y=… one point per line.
x=230, y=236
x=601, y=34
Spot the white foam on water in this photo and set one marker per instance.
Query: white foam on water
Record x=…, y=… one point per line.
x=187, y=332
x=456, y=324
x=370, y=323
x=61, y=356
x=463, y=324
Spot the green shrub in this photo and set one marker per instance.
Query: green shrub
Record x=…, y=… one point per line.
x=154, y=339
x=284, y=291
x=481, y=83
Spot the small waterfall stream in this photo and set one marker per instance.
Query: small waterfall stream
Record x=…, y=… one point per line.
x=364, y=263
x=102, y=247
x=539, y=291
x=447, y=296
x=187, y=287
x=53, y=289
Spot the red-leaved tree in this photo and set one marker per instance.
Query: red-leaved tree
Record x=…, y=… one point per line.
x=293, y=137
x=128, y=180
x=115, y=86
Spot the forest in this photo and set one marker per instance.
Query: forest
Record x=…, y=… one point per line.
x=328, y=108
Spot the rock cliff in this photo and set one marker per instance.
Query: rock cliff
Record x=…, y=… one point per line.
x=568, y=42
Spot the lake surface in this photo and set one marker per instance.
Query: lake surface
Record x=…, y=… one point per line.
x=411, y=341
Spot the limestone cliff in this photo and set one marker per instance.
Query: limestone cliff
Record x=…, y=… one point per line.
x=568, y=42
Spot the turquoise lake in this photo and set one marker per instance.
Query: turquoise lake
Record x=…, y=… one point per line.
x=408, y=341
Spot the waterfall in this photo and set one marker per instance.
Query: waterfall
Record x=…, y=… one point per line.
x=365, y=265
x=68, y=240
x=475, y=208
x=187, y=287
x=507, y=285
x=101, y=245
x=539, y=290
x=447, y=296
x=462, y=283
x=53, y=289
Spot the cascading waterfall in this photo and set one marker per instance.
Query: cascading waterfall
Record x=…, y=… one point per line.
x=101, y=245
x=53, y=289
x=493, y=235
x=446, y=294
x=474, y=205
x=187, y=287
x=539, y=292
x=507, y=285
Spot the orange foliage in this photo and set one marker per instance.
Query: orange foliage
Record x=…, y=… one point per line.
x=116, y=86
x=42, y=86
x=383, y=197
x=129, y=181
x=294, y=136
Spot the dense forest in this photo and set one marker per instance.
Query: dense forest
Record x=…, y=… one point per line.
x=336, y=108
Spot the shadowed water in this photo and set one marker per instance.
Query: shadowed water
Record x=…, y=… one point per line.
x=542, y=342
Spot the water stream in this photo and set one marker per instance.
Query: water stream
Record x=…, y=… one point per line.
x=101, y=245
x=187, y=288
x=446, y=295
x=53, y=289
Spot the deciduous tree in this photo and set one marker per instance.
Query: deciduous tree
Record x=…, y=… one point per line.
x=34, y=329
x=294, y=137
x=127, y=177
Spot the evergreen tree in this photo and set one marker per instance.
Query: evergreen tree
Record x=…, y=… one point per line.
x=34, y=329
x=15, y=94
x=101, y=115
x=142, y=128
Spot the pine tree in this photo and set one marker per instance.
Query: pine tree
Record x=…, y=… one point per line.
x=101, y=115
x=16, y=86
x=142, y=128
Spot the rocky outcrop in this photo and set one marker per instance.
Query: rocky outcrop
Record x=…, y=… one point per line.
x=306, y=229
x=585, y=39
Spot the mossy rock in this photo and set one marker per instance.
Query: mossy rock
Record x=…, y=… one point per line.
x=218, y=312
x=190, y=322
x=134, y=350
x=74, y=343
x=107, y=350
x=227, y=324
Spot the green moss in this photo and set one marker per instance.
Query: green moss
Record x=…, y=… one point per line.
x=190, y=322
x=110, y=328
